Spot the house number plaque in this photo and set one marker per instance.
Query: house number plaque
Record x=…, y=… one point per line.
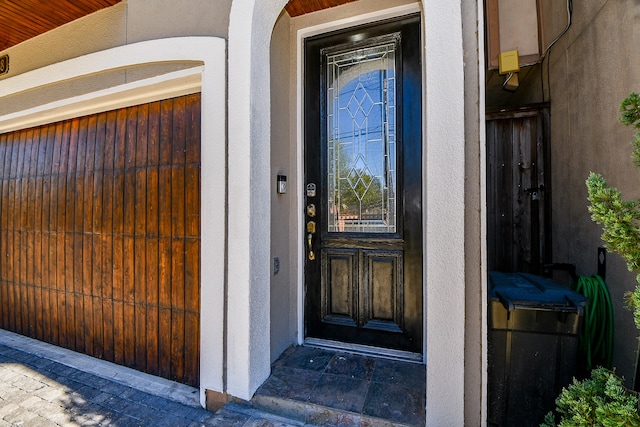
x=4, y=64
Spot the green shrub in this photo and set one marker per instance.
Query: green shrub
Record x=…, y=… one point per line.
x=621, y=219
x=601, y=400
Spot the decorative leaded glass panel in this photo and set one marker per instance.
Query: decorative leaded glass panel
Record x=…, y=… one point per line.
x=361, y=134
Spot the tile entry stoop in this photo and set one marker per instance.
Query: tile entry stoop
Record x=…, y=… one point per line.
x=325, y=388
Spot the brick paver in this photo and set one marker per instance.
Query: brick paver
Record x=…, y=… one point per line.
x=40, y=392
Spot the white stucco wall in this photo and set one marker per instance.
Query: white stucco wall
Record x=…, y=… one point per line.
x=154, y=19
x=248, y=325
x=475, y=219
x=127, y=22
x=283, y=207
x=445, y=240
x=251, y=23
x=103, y=29
x=240, y=270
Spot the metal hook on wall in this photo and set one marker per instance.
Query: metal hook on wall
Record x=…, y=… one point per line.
x=602, y=262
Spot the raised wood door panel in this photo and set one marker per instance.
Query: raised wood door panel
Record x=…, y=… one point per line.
x=518, y=191
x=339, y=299
x=374, y=303
x=383, y=291
x=100, y=232
x=363, y=274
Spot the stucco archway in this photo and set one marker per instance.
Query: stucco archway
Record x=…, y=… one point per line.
x=249, y=192
x=208, y=79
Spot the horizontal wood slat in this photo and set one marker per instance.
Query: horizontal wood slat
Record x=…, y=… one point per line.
x=301, y=7
x=100, y=235
x=24, y=19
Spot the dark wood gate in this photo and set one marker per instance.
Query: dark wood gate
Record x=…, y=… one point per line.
x=518, y=190
x=100, y=235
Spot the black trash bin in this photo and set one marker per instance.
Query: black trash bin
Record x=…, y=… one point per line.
x=532, y=346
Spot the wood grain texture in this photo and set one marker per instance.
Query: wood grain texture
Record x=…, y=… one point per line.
x=100, y=235
x=24, y=19
x=301, y=7
x=518, y=228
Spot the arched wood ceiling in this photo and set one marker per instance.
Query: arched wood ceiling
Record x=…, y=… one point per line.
x=21, y=20
x=300, y=7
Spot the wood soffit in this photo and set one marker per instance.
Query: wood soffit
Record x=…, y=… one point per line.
x=21, y=20
x=300, y=7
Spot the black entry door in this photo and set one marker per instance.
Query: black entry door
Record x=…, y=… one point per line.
x=363, y=163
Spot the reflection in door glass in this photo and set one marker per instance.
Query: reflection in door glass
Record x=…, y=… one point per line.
x=361, y=119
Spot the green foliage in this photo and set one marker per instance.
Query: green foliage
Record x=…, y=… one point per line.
x=601, y=400
x=620, y=219
x=630, y=109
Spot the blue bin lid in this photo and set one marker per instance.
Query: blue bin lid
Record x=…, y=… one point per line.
x=524, y=290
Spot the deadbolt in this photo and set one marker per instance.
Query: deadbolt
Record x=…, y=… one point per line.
x=311, y=210
x=311, y=227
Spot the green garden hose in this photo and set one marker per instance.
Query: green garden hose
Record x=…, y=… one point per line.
x=596, y=338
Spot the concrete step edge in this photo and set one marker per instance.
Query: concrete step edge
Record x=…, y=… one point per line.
x=316, y=414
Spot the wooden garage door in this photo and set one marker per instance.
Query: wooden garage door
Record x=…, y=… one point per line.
x=100, y=235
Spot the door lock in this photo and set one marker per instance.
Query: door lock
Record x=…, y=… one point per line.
x=534, y=192
x=311, y=210
x=311, y=227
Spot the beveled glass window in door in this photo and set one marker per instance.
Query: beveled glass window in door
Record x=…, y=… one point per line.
x=361, y=138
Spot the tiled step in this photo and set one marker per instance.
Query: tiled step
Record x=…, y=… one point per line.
x=324, y=388
x=318, y=415
x=241, y=414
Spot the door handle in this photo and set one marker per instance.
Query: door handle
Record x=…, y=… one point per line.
x=311, y=229
x=312, y=255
